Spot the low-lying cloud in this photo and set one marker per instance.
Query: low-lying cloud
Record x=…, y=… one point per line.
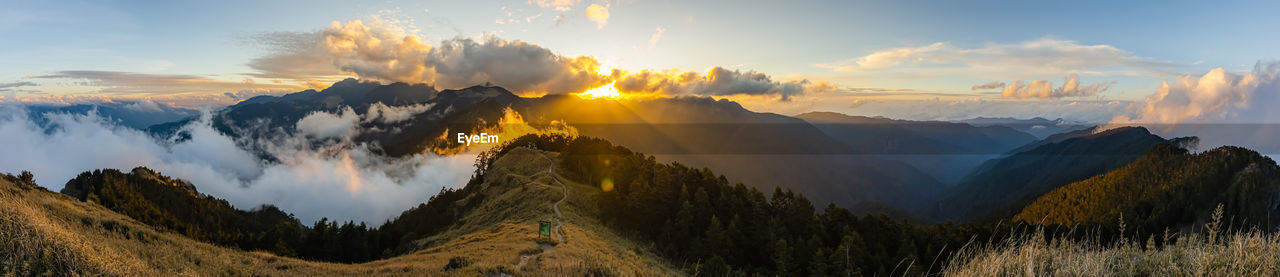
x=339, y=180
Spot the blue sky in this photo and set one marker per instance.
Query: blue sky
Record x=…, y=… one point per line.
x=950, y=45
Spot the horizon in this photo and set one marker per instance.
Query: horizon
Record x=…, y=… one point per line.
x=1020, y=64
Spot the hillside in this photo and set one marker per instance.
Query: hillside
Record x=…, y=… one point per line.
x=1169, y=188
x=1000, y=187
x=55, y=233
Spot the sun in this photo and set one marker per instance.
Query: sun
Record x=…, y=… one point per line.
x=605, y=91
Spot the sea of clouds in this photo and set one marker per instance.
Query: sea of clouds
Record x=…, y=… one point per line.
x=316, y=172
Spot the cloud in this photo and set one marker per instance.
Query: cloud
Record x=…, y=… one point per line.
x=326, y=125
x=4, y=87
x=657, y=35
x=717, y=81
x=1220, y=107
x=371, y=52
x=1028, y=59
x=1218, y=96
x=341, y=181
x=382, y=113
x=144, y=105
x=598, y=14
x=559, y=5
x=516, y=65
x=991, y=85
x=1044, y=89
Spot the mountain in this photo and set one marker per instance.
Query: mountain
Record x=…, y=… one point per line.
x=944, y=150
x=1038, y=126
x=1170, y=188
x=494, y=231
x=999, y=187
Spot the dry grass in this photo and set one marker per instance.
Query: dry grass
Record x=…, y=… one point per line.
x=46, y=233
x=1239, y=254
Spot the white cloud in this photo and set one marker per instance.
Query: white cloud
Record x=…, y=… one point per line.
x=1220, y=107
x=1028, y=59
x=1218, y=96
x=325, y=125
x=340, y=181
x=598, y=14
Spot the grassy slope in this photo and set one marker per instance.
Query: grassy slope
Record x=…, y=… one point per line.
x=42, y=230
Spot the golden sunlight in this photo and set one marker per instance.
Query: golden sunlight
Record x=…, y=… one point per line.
x=605, y=91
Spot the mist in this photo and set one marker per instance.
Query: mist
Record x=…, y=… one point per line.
x=317, y=172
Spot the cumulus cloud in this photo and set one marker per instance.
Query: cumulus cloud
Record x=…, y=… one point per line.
x=991, y=85
x=340, y=181
x=382, y=113
x=1218, y=96
x=326, y=125
x=1026, y=59
x=372, y=52
x=717, y=81
x=1221, y=107
x=1044, y=89
x=598, y=14
x=516, y=65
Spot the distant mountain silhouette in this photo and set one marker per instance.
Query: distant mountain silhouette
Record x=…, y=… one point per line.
x=137, y=115
x=945, y=150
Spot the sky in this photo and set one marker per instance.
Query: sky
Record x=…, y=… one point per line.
x=1082, y=60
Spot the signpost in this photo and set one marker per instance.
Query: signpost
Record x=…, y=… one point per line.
x=544, y=229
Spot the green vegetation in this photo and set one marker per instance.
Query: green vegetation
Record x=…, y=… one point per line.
x=175, y=205
x=1169, y=188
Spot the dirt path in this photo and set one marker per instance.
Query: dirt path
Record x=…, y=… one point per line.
x=524, y=259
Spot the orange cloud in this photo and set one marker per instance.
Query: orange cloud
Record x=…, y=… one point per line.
x=598, y=14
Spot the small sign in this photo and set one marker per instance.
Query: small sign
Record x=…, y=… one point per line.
x=544, y=228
